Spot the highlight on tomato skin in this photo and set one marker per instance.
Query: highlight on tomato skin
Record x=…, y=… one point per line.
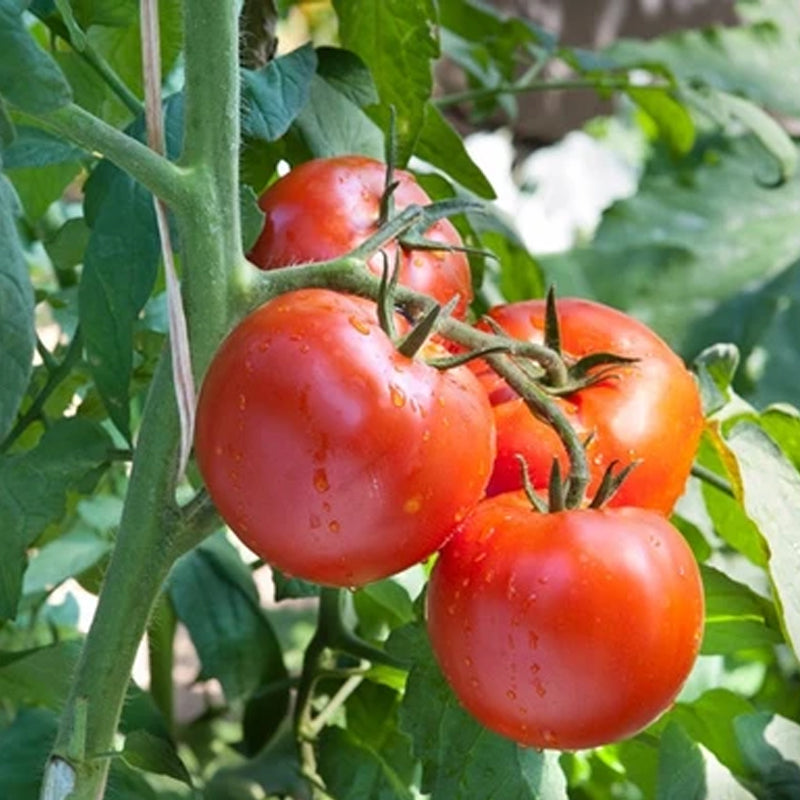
x=330, y=454
x=647, y=412
x=568, y=630
x=325, y=207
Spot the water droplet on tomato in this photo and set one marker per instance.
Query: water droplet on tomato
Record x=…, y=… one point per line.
x=334, y=526
x=314, y=521
x=242, y=402
x=398, y=396
x=533, y=640
x=549, y=737
x=511, y=694
x=544, y=579
x=539, y=687
x=467, y=662
x=321, y=480
x=426, y=436
x=359, y=324
x=412, y=505
x=535, y=668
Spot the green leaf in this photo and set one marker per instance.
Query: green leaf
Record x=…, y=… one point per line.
x=119, y=270
x=681, y=770
x=213, y=593
x=24, y=747
x=782, y=423
x=461, y=760
x=380, y=605
x=70, y=457
x=348, y=74
x=29, y=78
x=352, y=770
x=726, y=108
x=669, y=115
x=716, y=367
x=17, y=334
x=151, y=753
x=273, y=96
x=709, y=720
x=65, y=557
x=689, y=240
x=286, y=587
x=332, y=125
x=441, y=146
x=757, y=60
x=771, y=487
x=771, y=748
x=33, y=147
x=397, y=40
x=736, y=617
x=39, y=677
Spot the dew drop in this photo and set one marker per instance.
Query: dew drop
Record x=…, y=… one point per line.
x=333, y=526
x=426, y=436
x=511, y=694
x=548, y=737
x=359, y=324
x=535, y=668
x=242, y=402
x=321, y=480
x=412, y=505
x=539, y=687
x=398, y=396
x=467, y=662
x=533, y=640
x=314, y=521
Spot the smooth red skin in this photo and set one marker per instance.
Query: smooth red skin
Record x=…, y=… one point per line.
x=567, y=630
x=324, y=208
x=329, y=454
x=649, y=411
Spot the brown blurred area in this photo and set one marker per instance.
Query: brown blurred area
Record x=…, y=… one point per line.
x=546, y=116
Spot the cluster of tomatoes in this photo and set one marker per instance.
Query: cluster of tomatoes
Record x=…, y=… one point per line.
x=340, y=459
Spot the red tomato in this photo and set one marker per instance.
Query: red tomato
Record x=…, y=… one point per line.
x=648, y=411
x=330, y=454
x=324, y=208
x=566, y=630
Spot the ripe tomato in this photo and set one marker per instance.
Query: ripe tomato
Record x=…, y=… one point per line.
x=324, y=208
x=648, y=411
x=566, y=630
x=330, y=454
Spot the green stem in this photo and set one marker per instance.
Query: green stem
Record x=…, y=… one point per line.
x=161, y=657
x=139, y=564
x=162, y=177
x=712, y=479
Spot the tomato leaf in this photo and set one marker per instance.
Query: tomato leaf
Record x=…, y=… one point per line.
x=397, y=40
x=151, y=753
x=29, y=78
x=71, y=456
x=670, y=116
x=348, y=74
x=771, y=748
x=119, y=269
x=736, y=617
x=215, y=597
x=440, y=145
x=24, y=746
x=17, y=335
x=41, y=676
x=462, y=760
x=771, y=497
x=273, y=96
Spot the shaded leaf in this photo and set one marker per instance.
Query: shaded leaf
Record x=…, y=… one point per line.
x=348, y=74
x=398, y=42
x=33, y=487
x=462, y=760
x=213, y=593
x=151, y=753
x=17, y=334
x=24, y=747
x=771, y=747
x=681, y=771
x=273, y=96
x=39, y=677
x=286, y=587
x=29, y=78
x=771, y=497
x=119, y=269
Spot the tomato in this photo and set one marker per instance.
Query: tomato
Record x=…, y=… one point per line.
x=565, y=630
x=324, y=208
x=330, y=454
x=648, y=411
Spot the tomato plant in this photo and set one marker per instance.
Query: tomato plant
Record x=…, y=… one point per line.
x=566, y=630
x=331, y=454
x=326, y=207
x=646, y=412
